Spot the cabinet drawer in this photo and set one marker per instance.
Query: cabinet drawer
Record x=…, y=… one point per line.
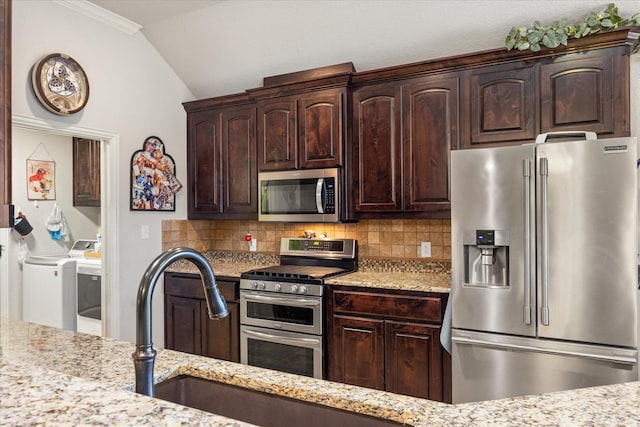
x=191, y=287
x=393, y=306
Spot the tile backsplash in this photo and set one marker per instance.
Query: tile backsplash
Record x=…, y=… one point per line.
x=398, y=239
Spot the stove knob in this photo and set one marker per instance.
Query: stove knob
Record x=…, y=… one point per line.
x=294, y=288
x=278, y=287
x=303, y=289
x=262, y=285
x=254, y=285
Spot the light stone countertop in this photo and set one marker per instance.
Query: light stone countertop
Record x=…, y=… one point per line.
x=422, y=282
x=55, y=377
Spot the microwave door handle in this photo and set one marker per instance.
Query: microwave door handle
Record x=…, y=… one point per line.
x=319, y=187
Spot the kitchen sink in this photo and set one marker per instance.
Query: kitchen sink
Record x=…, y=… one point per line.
x=257, y=407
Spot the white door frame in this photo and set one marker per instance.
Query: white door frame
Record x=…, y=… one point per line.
x=109, y=208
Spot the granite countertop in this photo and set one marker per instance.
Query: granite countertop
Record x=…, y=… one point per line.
x=422, y=282
x=52, y=376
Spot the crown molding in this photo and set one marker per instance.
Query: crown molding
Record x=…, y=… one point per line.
x=98, y=13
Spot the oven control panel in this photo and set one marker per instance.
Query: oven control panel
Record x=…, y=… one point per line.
x=321, y=248
x=281, y=287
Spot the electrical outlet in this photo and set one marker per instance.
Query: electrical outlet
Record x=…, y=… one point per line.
x=253, y=245
x=425, y=249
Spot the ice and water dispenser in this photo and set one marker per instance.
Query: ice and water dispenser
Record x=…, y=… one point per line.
x=486, y=258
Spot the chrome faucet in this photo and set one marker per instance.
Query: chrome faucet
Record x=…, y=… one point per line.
x=145, y=355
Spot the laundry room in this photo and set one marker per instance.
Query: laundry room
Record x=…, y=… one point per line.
x=60, y=217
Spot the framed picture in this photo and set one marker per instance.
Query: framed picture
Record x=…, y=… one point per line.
x=153, y=181
x=41, y=183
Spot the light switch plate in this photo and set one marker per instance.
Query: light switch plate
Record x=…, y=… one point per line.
x=144, y=231
x=425, y=249
x=253, y=245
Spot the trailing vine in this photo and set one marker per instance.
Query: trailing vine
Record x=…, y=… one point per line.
x=556, y=34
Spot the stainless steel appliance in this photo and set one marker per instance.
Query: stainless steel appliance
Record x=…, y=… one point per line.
x=281, y=307
x=310, y=195
x=544, y=274
x=88, y=288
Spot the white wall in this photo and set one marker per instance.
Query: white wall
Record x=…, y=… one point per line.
x=133, y=93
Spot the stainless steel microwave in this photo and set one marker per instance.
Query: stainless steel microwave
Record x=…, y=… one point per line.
x=309, y=195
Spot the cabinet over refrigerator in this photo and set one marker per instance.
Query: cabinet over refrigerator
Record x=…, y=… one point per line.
x=544, y=266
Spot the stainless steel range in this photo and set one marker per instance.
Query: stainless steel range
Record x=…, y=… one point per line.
x=281, y=307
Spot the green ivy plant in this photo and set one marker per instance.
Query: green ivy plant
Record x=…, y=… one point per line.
x=556, y=34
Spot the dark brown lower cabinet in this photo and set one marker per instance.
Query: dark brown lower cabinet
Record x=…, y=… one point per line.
x=388, y=342
x=187, y=324
x=357, y=351
x=413, y=359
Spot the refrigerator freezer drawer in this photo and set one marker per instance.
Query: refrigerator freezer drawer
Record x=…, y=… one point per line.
x=487, y=366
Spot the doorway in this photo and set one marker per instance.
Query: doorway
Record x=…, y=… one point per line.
x=107, y=211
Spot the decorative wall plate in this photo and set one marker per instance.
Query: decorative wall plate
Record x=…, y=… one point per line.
x=60, y=84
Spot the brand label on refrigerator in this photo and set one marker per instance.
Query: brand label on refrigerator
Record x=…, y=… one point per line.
x=612, y=149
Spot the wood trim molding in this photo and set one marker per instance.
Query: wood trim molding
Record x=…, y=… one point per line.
x=102, y=15
x=5, y=113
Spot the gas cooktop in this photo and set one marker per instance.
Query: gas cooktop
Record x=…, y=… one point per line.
x=309, y=261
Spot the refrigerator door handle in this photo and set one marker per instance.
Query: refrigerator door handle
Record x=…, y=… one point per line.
x=606, y=358
x=542, y=138
x=544, y=241
x=526, y=166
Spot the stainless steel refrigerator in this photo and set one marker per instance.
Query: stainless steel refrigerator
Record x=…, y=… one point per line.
x=544, y=266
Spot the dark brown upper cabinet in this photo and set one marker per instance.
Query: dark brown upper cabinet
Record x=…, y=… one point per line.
x=277, y=123
x=377, y=148
x=321, y=116
x=584, y=89
x=588, y=91
x=86, y=172
x=430, y=115
x=221, y=158
x=301, y=119
x=402, y=133
x=503, y=103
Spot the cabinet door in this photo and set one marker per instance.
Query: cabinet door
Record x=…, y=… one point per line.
x=430, y=119
x=587, y=92
x=320, y=130
x=277, y=134
x=183, y=320
x=502, y=104
x=221, y=338
x=86, y=172
x=377, y=157
x=204, y=164
x=239, y=162
x=357, y=351
x=413, y=360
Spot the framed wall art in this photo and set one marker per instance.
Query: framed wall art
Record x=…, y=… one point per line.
x=153, y=181
x=41, y=183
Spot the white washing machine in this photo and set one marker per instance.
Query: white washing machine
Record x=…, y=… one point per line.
x=88, y=288
x=49, y=291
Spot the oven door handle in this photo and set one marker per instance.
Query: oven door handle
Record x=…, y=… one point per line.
x=296, y=302
x=282, y=340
